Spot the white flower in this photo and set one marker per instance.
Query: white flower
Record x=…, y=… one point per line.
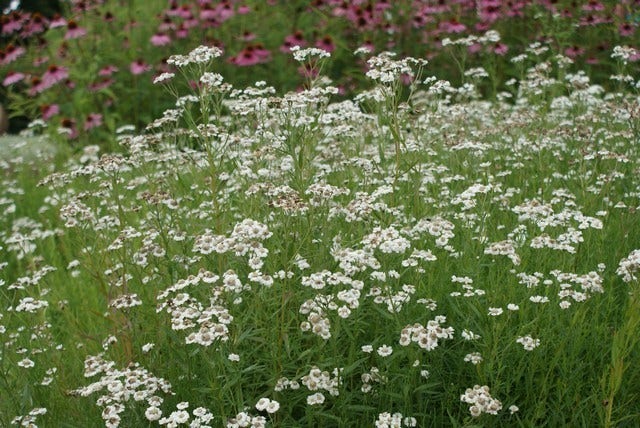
x=234, y=357
x=385, y=351
x=26, y=363
x=163, y=77
x=494, y=312
x=153, y=413
x=528, y=342
x=317, y=398
x=367, y=349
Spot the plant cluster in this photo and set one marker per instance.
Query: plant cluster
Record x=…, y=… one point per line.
x=257, y=259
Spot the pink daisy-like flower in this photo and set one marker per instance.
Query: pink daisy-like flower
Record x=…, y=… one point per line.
x=49, y=110
x=93, y=120
x=13, y=23
x=326, y=44
x=107, y=71
x=160, y=39
x=139, y=67
x=500, y=49
x=12, y=53
x=248, y=36
x=101, y=84
x=13, y=77
x=295, y=39
x=452, y=26
x=573, y=51
x=593, y=6
x=243, y=10
x=53, y=75
x=36, y=86
x=626, y=29
x=74, y=31
x=57, y=21
x=68, y=126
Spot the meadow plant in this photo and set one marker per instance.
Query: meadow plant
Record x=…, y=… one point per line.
x=256, y=259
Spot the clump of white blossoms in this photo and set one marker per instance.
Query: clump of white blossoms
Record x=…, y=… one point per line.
x=528, y=342
x=385, y=69
x=426, y=337
x=265, y=404
x=629, y=267
x=396, y=420
x=481, y=401
x=304, y=54
x=200, y=55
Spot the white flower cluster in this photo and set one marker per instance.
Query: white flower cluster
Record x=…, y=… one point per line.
x=528, y=342
x=211, y=80
x=481, y=401
x=629, y=267
x=373, y=376
x=265, y=404
x=396, y=420
x=384, y=69
x=387, y=240
x=120, y=386
x=200, y=55
x=244, y=419
x=394, y=301
x=29, y=420
x=504, y=248
x=318, y=380
x=426, y=337
x=303, y=54
x=623, y=53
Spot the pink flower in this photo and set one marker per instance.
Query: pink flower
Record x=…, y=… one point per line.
x=107, y=70
x=93, y=120
x=295, y=39
x=36, y=86
x=326, y=43
x=73, y=31
x=101, y=84
x=69, y=127
x=251, y=55
x=573, y=51
x=12, y=53
x=248, y=36
x=13, y=77
x=593, y=6
x=160, y=39
x=500, y=49
x=452, y=26
x=139, y=67
x=243, y=10
x=57, y=21
x=40, y=61
x=626, y=29
x=13, y=23
x=53, y=75
x=49, y=110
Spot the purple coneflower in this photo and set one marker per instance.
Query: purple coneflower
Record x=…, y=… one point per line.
x=160, y=39
x=139, y=67
x=73, y=31
x=13, y=77
x=107, y=71
x=93, y=120
x=12, y=53
x=53, y=75
x=49, y=110
x=326, y=44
